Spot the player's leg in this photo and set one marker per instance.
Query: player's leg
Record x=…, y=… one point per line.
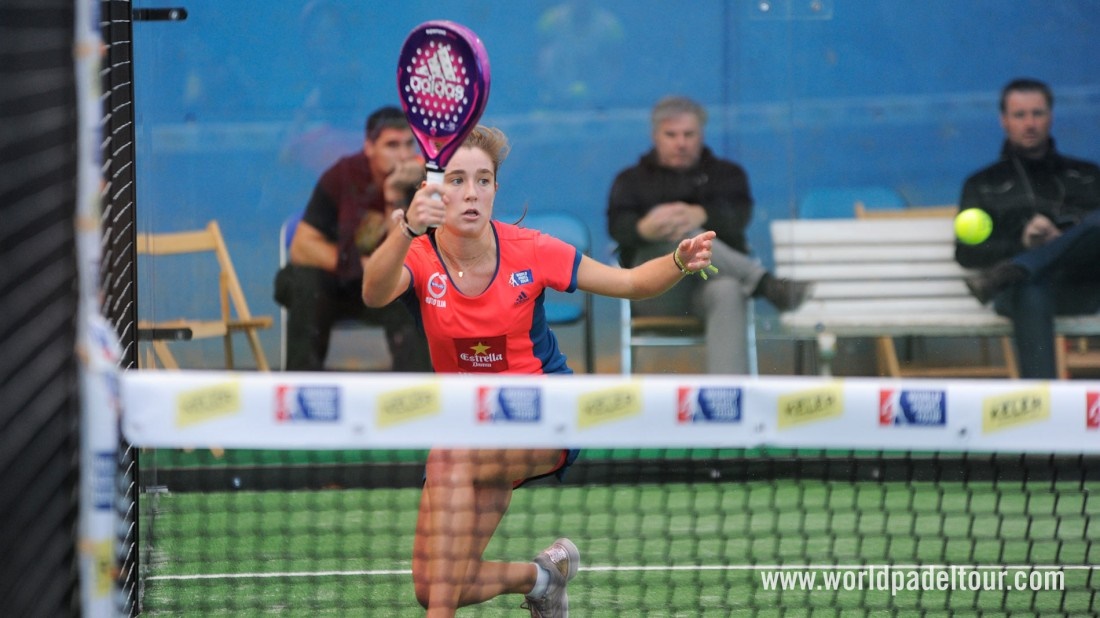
x=466, y=493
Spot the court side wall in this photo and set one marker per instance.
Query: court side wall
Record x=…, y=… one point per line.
x=239, y=110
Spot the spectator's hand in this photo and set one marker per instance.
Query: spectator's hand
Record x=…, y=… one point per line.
x=1039, y=231
x=426, y=209
x=404, y=176
x=671, y=221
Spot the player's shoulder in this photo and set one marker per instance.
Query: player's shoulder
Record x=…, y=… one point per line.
x=514, y=232
x=523, y=243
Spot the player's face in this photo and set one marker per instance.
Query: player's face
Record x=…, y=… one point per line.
x=469, y=188
x=1026, y=120
x=392, y=146
x=678, y=141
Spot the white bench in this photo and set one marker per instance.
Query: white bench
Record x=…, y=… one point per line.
x=891, y=277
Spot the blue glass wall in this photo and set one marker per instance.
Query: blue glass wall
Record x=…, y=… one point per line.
x=240, y=107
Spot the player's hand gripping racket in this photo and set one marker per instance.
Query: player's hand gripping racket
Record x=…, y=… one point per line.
x=443, y=83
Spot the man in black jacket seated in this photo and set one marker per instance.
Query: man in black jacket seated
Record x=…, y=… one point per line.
x=1043, y=256
x=346, y=218
x=675, y=190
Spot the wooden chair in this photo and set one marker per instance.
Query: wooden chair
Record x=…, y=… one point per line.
x=862, y=211
x=1076, y=354
x=234, y=312
x=886, y=351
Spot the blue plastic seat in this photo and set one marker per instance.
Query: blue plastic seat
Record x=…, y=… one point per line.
x=567, y=309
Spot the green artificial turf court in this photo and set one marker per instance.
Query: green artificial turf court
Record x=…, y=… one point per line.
x=660, y=549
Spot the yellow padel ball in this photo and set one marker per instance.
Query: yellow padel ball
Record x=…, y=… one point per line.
x=973, y=226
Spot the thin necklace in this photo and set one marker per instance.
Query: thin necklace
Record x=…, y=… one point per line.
x=458, y=265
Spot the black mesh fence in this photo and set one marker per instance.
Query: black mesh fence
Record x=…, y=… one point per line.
x=38, y=307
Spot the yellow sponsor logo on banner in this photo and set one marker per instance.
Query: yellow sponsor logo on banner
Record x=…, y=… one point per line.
x=1016, y=408
x=104, y=567
x=408, y=404
x=808, y=406
x=99, y=556
x=605, y=406
x=207, y=403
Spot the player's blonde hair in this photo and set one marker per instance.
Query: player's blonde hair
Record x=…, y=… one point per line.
x=490, y=140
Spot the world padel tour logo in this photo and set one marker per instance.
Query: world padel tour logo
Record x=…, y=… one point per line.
x=920, y=408
x=522, y=277
x=306, y=404
x=104, y=468
x=509, y=404
x=482, y=354
x=1092, y=410
x=708, y=405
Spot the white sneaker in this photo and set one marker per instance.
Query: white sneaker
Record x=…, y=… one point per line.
x=561, y=559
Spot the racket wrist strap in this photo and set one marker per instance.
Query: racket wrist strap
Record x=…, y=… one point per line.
x=407, y=230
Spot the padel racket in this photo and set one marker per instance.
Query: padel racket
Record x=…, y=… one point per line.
x=443, y=83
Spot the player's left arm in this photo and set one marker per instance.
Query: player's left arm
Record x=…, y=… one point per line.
x=650, y=278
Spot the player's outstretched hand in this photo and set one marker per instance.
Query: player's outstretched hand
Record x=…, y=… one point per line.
x=693, y=254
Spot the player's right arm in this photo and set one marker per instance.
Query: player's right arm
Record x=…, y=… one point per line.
x=384, y=274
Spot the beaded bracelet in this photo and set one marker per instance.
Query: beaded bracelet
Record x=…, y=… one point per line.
x=683, y=269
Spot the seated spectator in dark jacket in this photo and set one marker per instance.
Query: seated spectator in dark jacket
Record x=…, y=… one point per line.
x=674, y=191
x=1043, y=257
x=346, y=218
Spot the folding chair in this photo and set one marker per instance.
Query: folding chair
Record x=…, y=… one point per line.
x=234, y=312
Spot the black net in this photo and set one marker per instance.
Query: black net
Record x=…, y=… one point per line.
x=118, y=254
x=661, y=532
